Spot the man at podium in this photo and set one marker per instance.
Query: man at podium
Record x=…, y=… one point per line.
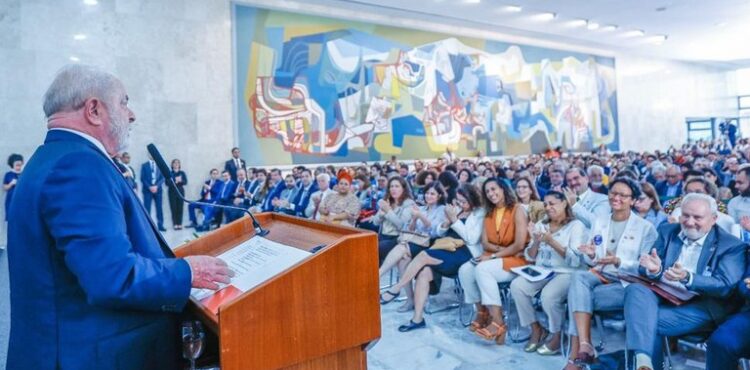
x=93, y=283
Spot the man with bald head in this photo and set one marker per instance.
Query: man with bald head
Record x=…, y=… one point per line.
x=93, y=283
x=697, y=255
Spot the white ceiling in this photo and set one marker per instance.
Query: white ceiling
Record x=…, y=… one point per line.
x=714, y=31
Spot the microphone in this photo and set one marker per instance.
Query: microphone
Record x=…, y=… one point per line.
x=165, y=171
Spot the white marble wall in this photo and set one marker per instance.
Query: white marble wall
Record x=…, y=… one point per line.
x=655, y=97
x=175, y=58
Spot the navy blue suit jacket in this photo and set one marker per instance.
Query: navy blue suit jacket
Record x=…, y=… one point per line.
x=146, y=176
x=662, y=186
x=93, y=284
x=720, y=266
x=302, y=199
x=274, y=193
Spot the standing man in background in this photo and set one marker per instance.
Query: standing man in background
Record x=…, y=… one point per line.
x=152, y=181
x=93, y=283
x=235, y=163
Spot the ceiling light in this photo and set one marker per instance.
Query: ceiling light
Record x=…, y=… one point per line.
x=577, y=23
x=609, y=28
x=634, y=33
x=513, y=8
x=592, y=25
x=79, y=37
x=74, y=59
x=91, y=2
x=545, y=16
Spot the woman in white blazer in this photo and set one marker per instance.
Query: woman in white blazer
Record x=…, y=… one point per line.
x=464, y=224
x=616, y=244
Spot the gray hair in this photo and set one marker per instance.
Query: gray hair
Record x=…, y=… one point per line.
x=711, y=202
x=595, y=168
x=658, y=169
x=324, y=176
x=75, y=83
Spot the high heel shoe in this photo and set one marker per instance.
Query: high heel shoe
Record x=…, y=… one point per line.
x=480, y=321
x=498, y=335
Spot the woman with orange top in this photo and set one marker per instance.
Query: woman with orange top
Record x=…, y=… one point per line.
x=504, y=238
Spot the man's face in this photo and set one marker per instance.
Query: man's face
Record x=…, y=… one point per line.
x=578, y=183
x=733, y=165
x=225, y=176
x=742, y=184
x=306, y=178
x=673, y=176
x=696, y=219
x=323, y=184
x=125, y=158
x=382, y=182
x=695, y=187
x=289, y=180
x=275, y=177
x=596, y=177
x=555, y=178
x=241, y=176
x=214, y=175
x=118, y=120
x=236, y=153
x=403, y=172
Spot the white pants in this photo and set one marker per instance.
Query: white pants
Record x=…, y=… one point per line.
x=480, y=281
x=553, y=297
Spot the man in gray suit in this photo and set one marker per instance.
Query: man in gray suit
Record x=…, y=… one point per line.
x=588, y=205
x=702, y=258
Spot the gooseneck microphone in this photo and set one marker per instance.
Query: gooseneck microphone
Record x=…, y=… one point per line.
x=164, y=169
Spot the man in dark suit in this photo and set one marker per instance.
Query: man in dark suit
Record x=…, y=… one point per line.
x=239, y=197
x=234, y=164
x=209, y=194
x=730, y=342
x=672, y=186
x=93, y=283
x=302, y=198
x=152, y=181
x=214, y=215
x=696, y=255
x=128, y=172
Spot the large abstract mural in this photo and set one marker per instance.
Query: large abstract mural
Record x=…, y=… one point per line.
x=313, y=89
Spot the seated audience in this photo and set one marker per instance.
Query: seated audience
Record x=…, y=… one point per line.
x=649, y=207
x=261, y=191
x=209, y=194
x=730, y=342
x=283, y=202
x=394, y=213
x=239, y=198
x=323, y=181
x=213, y=215
x=554, y=247
x=528, y=198
x=698, y=256
x=588, y=206
x=503, y=240
x=342, y=206
x=616, y=244
x=672, y=186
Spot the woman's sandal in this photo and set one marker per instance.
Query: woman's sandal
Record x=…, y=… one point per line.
x=498, y=335
x=585, y=357
x=481, y=321
x=384, y=301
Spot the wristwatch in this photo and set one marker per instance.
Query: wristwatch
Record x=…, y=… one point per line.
x=686, y=279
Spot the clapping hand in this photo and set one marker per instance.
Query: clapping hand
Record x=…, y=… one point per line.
x=676, y=273
x=570, y=196
x=745, y=222
x=609, y=260
x=651, y=262
x=588, y=249
x=384, y=206
x=451, y=213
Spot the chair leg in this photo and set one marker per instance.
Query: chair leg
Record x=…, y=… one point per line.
x=667, y=354
x=602, y=332
x=514, y=326
x=450, y=306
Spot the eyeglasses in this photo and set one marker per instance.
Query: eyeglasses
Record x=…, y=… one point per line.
x=619, y=195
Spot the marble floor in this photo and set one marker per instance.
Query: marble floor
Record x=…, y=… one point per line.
x=444, y=344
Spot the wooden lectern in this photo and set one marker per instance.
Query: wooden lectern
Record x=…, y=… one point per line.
x=319, y=314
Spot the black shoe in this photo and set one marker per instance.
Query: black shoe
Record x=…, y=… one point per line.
x=162, y=229
x=192, y=225
x=412, y=325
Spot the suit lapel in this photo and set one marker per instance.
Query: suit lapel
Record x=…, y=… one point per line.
x=708, y=250
x=673, y=249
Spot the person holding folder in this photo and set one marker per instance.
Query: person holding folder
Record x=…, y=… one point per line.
x=696, y=254
x=93, y=283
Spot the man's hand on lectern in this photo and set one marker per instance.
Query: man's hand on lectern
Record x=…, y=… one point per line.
x=208, y=271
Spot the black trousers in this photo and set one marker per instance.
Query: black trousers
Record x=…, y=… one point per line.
x=176, y=206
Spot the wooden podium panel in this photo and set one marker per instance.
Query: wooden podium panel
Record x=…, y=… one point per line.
x=318, y=314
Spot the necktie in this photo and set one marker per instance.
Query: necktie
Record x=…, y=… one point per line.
x=153, y=173
x=237, y=163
